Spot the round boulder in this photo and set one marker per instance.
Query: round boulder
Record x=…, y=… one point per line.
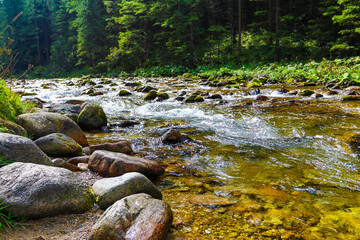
x=36, y=191
x=110, y=190
x=21, y=149
x=92, y=116
x=134, y=217
x=41, y=124
x=59, y=145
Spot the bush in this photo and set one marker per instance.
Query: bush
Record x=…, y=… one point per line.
x=10, y=103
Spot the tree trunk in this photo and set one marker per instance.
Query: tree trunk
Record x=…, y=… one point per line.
x=277, y=30
x=239, y=23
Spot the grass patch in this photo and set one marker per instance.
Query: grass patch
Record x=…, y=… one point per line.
x=10, y=103
x=7, y=221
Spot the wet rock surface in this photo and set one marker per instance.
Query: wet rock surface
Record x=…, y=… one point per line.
x=111, y=164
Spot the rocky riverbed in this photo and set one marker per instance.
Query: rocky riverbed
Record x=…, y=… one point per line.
x=278, y=161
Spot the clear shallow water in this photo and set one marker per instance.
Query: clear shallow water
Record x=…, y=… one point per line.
x=261, y=171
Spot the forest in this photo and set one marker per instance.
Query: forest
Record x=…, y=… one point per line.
x=59, y=37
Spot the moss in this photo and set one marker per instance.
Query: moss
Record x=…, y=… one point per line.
x=255, y=83
x=187, y=75
x=106, y=81
x=194, y=98
x=350, y=98
x=90, y=198
x=151, y=95
x=124, y=93
x=99, y=86
x=306, y=93
x=113, y=84
x=163, y=96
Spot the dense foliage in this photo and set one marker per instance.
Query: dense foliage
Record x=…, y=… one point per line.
x=115, y=35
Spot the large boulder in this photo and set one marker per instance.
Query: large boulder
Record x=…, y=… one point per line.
x=13, y=127
x=121, y=147
x=92, y=116
x=110, y=190
x=41, y=124
x=37, y=191
x=59, y=145
x=21, y=149
x=134, y=217
x=112, y=164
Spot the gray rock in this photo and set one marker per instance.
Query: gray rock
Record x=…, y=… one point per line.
x=112, y=164
x=20, y=149
x=41, y=124
x=37, y=191
x=110, y=190
x=13, y=128
x=59, y=145
x=92, y=116
x=134, y=217
x=64, y=108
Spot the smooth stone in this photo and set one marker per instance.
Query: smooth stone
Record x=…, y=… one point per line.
x=59, y=145
x=134, y=217
x=41, y=124
x=112, y=164
x=20, y=149
x=121, y=147
x=37, y=191
x=110, y=190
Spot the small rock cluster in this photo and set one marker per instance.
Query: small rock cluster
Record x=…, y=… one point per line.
x=39, y=182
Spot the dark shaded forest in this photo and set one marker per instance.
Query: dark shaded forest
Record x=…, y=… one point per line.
x=63, y=36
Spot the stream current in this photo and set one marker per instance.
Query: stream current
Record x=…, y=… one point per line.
x=278, y=169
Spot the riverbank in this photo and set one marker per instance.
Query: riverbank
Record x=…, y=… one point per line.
x=338, y=71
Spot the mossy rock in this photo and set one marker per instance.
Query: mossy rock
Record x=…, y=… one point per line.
x=92, y=116
x=306, y=93
x=160, y=96
x=113, y=84
x=348, y=98
x=151, y=95
x=145, y=89
x=187, y=75
x=99, y=86
x=254, y=83
x=194, y=98
x=106, y=81
x=124, y=93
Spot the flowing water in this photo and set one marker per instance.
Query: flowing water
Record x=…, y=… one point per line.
x=279, y=169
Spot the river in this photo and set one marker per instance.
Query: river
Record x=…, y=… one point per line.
x=279, y=169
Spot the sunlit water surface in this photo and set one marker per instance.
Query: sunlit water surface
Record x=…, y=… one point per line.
x=260, y=171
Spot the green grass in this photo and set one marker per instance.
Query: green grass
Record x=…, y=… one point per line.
x=10, y=103
x=343, y=71
x=7, y=221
